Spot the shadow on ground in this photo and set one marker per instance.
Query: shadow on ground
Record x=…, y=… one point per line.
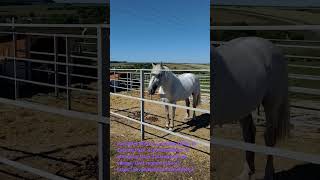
x=299, y=172
x=201, y=121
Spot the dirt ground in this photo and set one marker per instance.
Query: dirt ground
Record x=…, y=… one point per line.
x=304, y=137
x=68, y=147
x=197, y=129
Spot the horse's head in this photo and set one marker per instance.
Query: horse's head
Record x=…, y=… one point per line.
x=157, y=77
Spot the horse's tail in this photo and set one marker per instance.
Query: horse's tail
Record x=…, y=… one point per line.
x=283, y=130
x=283, y=120
x=198, y=97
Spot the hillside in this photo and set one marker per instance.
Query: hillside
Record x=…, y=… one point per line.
x=19, y=2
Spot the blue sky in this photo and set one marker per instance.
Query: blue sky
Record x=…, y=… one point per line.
x=153, y=31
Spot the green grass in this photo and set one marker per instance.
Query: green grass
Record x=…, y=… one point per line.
x=227, y=15
x=56, y=13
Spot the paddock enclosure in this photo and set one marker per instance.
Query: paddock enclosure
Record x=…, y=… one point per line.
x=299, y=156
x=52, y=76
x=145, y=117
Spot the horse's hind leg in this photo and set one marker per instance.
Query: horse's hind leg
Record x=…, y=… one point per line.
x=269, y=141
x=249, y=134
x=270, y=136
x=194, y=104
x=188, y=105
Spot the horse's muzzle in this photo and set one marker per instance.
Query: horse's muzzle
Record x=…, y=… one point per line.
x=151, y=91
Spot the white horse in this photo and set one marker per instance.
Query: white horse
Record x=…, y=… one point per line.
x=250, y=71
x=173, y=88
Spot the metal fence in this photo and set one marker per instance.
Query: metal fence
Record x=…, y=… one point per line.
x=142, y=82
x=131, y=81
x=100, y=63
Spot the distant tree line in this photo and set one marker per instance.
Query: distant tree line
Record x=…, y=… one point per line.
x=64, y=14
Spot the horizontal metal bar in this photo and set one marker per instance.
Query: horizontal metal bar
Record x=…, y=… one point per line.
x=62, y=73
x=123, y=88
x=88, y=43
x=88, y=52
x=173, y=70
x=302, y=57
x=162, y=129
x=298, y=46
x=292, y=40
x=56, y=25
x=162, y=103
x=300, y=106
x=63, y=55
x=48, y=85
x=80, y=57
x=266, y=150
x=303, y=66
x=58, y=35
x=304, y=90
x=202, y=90
x=280, y=45
x=238, y=144
x=117, y=80
x=53, y=110
x=51, y=62
x=267, y=28
x=305, y=77
x=31, y=170
x=292, y=120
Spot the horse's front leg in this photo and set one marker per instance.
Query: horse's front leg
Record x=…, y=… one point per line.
x=168, y=117
x=172, y=116
x=188, y=105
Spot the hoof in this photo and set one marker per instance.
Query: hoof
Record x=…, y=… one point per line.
x=269, y=177
x=170, y=129
x=245, y=174
x=245, y=177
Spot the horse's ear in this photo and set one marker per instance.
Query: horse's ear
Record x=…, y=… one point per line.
x=153, y=64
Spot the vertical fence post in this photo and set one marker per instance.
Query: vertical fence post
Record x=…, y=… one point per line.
x=68, y=74
x=55, y=51
x=14, y=46
x=131, y=80
x=27, y=55
x=142, y=103
x=103, y=102
x=127, y=77
x=115, y=81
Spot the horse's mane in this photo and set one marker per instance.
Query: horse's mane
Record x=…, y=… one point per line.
x=168, y=70
x=166, y=67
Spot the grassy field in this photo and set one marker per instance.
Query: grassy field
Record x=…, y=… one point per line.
x=226, y=15
x=56, y=13
x=246, y=15
x=126, y=65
